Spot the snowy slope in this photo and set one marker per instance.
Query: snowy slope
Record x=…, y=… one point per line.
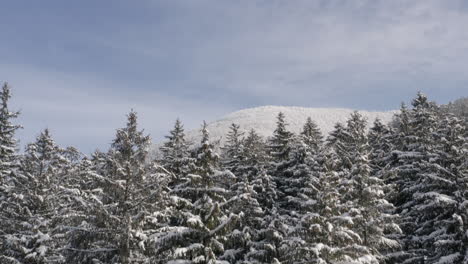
x=263, y=120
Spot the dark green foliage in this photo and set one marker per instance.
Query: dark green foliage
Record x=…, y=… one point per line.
x=233, y=150
x=278, y=145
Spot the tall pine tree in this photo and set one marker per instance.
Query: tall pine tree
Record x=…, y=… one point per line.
x=175, y=152
x=122, y=206
x=8, y=156
x=200, y=222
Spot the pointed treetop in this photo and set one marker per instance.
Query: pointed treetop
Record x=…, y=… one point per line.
x=279, y=143
x=252, y=137
x=205, y=133
x=311, y=134
x=178, y=127
x=129, y=141
x=44, y=143
x=420, y=100
x=356, y=129
x=177, y=133
x=5, y=114
x=281, y=120
x=234, y=135
x=357, y=122
x=281, y=125
x=8, y=143
x=5, y=95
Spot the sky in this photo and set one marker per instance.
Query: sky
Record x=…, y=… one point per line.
x=78, y=67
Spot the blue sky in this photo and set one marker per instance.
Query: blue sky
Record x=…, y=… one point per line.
x=77, y=67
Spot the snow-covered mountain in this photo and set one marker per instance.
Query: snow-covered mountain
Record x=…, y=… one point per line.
x=263, y=120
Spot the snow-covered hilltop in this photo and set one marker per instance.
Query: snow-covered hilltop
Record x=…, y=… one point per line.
x=263, y=120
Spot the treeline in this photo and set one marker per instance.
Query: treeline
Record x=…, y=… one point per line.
x=394, y=194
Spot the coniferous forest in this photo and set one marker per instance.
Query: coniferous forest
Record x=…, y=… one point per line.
x=397, y=193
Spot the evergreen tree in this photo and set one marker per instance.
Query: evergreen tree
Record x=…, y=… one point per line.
x=200, y=223
x=335, y=147
x=328, y=231
x=311, y=135
x=279, y=144
x=280, y=147
x=380, y=143
x=447, y=195
x=297, y=181
x=254, y=156
x=8, y=163
x=408, y=161
x=266, y=240
x=233, y=149
x=8, y=156
x=243, y=203
x=123, y=204
x=302, y=179
x=429, y=190
x=246, y=163
x=361, y=212
x=175, y=152
x=36, y=203
x=371, y=213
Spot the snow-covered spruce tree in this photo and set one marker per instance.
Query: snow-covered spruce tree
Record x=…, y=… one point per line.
x=122, y=204
x=8, y=165
x=300, y=177
x=8, y=147
x=265, y=241
x=296, y=179
x=361, y=212
x=300, y=187
x=311, y=135
x=432, y=185
x=380, y=142
x=327, y=231
x=245, y=163
x=87, y=231
x=412, y=162
x=175, y=152
x=278, y=144
x=401, y=127
x=244, y=203
x=335, y=148
x=90, y=238
x=371, y=212
x=255, y=238
x=37, y=202
x=200, y=221
x=233, y=149
x=254, y=155
x=447, y=194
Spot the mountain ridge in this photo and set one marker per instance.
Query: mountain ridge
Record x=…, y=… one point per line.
x=263, y=120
